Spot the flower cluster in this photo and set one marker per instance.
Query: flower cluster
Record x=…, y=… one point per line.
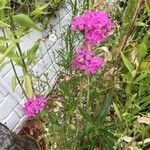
x=86, y=60
x=94, y=24
x=33, y=106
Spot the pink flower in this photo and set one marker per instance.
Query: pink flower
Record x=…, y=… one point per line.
x=33, y=106
x=87, y=61
x=95, y=24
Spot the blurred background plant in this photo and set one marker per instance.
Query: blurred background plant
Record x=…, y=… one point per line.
x=38, y=10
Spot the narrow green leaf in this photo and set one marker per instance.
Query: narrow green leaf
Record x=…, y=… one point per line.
x=39, y=9
x=144, y=46
x=117, y=111
x=28, y=86
x=142, y=50
x=31, y=54
x=128, y=14
x=24, y=21
x=127, y=63
x=141, y=77
x=86, y=115
x=141, y=24
x=10, y=54
x=93, y=144
x=82, y=134
x=3, y=24
x=6, y=51
x=147, y=7
x=105, y=106
x=144, y=102
x=3, y=65
x=14, y=83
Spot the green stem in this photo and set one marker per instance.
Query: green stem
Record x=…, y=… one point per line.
x=14, y=69
x=77, y=130
x=88, y=93
x=25, y=70
x=81, y=91
x=17, y=44
x=89, y=4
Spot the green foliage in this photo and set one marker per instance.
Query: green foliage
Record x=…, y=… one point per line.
x=127, y=63
x=38, y=10
x=25, y=21
x=98, y=112
x=14, y=83
x=13, y=27
x=16, y=19
x=66, y=54
x=31, y=54
x=28, y=86
x=144, y=46
x=129, y=14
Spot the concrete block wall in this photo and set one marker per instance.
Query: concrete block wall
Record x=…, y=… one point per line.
x=11, y=103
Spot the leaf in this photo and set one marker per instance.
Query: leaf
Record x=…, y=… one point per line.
x=10, y=54
x=117, y=111
x=127, y=63
x=144, y=46
x=145, y=65
x=82, y=134
x=105, y=107
x=39, y=10
x=144, y=102
x=86, y=115
x=3, y=65
x=147, y=7
x=14, y=83
x=142, y=51
x=6, y=51
x=28, y=86
x=107, y=139
x=141, y=24
x=141, y=77
x=25, y=21
x=3, y=3
x=128, y=14
x=3, y=24
x=31, y=54
x=93, y=144
x=3, y=38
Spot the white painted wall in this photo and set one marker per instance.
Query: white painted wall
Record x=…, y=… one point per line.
x=11, y=113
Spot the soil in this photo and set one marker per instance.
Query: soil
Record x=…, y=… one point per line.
x=33, y=128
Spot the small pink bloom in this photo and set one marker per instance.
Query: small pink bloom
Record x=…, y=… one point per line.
x=33, y=106
x=86, y=60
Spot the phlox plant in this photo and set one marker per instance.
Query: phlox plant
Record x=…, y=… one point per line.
x=98, y=103
x=81, y=122
x=105, y=103
x=95, y=27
